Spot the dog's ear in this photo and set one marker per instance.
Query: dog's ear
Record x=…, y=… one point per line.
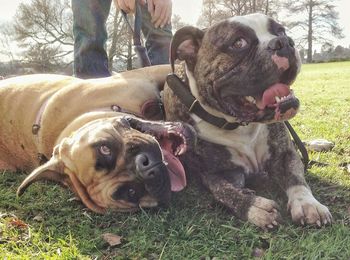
x=51, y=170
x=185, y=45
x=56, y=170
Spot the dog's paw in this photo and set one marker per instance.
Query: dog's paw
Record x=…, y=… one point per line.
x=264, y=213
x=307, y=210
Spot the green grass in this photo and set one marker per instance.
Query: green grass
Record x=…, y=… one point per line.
x=195, y=227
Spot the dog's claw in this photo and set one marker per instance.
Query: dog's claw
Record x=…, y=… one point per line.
x=307, y=210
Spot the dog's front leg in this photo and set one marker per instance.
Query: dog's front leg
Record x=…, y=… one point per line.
x=288, y=171
x=242, y=201
x=227, y=184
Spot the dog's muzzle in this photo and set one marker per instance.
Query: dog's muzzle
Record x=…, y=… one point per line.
x=154, y=173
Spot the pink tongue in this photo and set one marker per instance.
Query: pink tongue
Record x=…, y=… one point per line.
x=268, y=98
x=176, y=171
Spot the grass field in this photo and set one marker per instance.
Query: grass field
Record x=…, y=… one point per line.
x=46, y=223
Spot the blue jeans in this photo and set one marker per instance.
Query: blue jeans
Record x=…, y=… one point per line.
x=90, y=36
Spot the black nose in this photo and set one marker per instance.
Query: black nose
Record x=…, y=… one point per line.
x=280, y=43
x=148, y=166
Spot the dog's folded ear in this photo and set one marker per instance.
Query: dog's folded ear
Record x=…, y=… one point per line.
x=185, y=45
x=51, y=170
x=56, y=170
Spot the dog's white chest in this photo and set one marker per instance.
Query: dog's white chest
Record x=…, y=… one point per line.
x=247, y=144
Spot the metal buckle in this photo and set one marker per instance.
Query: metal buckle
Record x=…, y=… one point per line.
x=116, y=108
x=35, y=129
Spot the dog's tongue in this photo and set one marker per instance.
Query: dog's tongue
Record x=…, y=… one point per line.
x=176, y=171
x=268, y=98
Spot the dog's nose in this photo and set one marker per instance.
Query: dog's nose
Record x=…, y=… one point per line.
x=148, y=166
x=280, y=43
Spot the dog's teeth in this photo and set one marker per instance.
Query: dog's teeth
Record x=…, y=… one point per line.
x=278, y=99
x=250, y=99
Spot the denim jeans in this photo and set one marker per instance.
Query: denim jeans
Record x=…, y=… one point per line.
x=90, y=36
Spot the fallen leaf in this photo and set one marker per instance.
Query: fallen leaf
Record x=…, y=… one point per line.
x=112, y=239
x=16, y=222
x=38, y=218
x=73, y=199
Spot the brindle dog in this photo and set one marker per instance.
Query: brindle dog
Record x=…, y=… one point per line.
x=239, y=71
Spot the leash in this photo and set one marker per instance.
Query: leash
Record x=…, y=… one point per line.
x=139, y=49
x=300, y=145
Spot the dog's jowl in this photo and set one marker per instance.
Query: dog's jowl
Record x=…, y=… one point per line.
x=91, y=139
x=238, y=73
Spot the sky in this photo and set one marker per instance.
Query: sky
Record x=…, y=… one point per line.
x=189, y=10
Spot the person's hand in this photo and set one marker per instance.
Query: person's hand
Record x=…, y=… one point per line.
x=128, y=6
x=160, y=11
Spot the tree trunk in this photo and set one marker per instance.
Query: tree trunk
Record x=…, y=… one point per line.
x=267, y=7
x=309, y=34
x=129, y=60
x=211, y=10
x=113, y=47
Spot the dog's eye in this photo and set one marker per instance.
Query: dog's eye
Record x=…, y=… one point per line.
x=105, y=150
x=130, y=192
x=240, y=43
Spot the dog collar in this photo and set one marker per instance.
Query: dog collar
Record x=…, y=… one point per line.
x=36, y=126
x=181, y=90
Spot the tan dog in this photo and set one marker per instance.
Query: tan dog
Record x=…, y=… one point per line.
x=95, y=144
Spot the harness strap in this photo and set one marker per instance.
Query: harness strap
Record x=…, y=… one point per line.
x=179, y=88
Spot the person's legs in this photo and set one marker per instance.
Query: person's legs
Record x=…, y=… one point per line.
x=157, y=39
x=90, y=35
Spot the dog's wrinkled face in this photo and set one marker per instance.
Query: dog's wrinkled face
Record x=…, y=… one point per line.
x=120, y=163
x=242, y=67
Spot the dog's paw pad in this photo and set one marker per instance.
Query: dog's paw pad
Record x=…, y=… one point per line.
x=264, y=213
x=309, y=211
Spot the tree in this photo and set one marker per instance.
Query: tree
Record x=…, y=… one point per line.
x=209, y=14
x=177, y=23
x=319, y=22
x=216, y=10
x=119, y=40
x=6, y=30
x=44, y=29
